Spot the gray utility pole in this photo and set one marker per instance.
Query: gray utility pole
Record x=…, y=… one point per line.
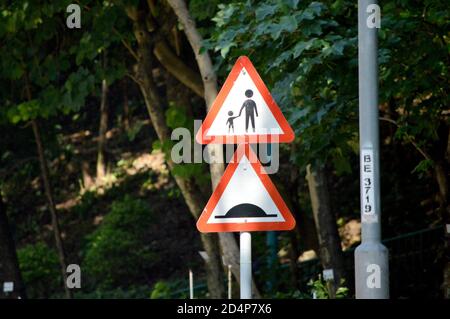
x=371, y=257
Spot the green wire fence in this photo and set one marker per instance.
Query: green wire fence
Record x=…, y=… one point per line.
x=414, y=262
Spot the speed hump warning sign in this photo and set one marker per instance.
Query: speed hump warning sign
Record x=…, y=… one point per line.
x=245, y=199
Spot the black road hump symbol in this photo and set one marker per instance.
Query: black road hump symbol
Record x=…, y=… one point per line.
x=246, y=211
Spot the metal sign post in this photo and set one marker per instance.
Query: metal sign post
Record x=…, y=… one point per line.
x=371, y=257
x=191, y=284
x=246, y=265
x=245, y=199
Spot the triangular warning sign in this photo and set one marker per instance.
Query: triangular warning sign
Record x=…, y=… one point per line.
x=245, y=199
x=244, y=111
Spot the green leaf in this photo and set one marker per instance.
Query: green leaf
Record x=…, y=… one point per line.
x=16, y=72
x=341, y=163
x=302, y=46
x=225, y=13
x=288, y=23
x=264, y=11
x=423, y=166
x=176, y=117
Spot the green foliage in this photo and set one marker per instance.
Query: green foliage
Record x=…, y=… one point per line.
x=132, y=292
x=161, y=290
x=320, y=289
x=40, y=270
x=46, y=69
x=191, y=170
x=296, y=294
x=307, y=54
x=165, y=147
x=423, y=167
x=118, y=253
x=87, y=201
x=203, y=10
x=303, y=50
x=413, y=62
x=134, y=130
x=176, y=116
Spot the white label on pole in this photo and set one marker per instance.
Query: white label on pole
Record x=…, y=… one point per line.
x=8, y=286
x=448, y=228
x=328, y=274
x=367, y=187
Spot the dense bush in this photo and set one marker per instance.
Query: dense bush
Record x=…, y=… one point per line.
x=40, y=270
x=134, y=292
x=118, y=252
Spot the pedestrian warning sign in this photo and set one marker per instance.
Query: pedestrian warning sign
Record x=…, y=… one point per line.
x=244, y=111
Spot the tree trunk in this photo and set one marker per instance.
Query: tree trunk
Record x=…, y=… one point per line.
x=446, y=220
x=178, y=94
x=9, y=265
x=177, y=68
x=306, y=230
x=126, y=107
x=51, y=206
x=441, y=173
x=188, y=187
x=440, y=154
x=87, y=178
x=230, y=250
x=305, y=235
x=329, y=241
x=293, y=257
x=103, y=127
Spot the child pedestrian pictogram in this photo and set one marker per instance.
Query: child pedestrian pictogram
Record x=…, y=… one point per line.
x=231, y=120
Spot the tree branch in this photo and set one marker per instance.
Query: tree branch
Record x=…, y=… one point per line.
x=126, y=45
x=177, y=68
x=408, y=137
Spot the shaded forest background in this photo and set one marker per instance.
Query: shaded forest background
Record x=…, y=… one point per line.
x=86, y=116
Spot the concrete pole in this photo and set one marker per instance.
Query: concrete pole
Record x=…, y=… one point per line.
x=246, y=265
x=371, y=257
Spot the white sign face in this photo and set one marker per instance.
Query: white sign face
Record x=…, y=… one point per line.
x=244, y=111
x=8, y=286
x=367, y=188
x=328, y=274
x=245, y=200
